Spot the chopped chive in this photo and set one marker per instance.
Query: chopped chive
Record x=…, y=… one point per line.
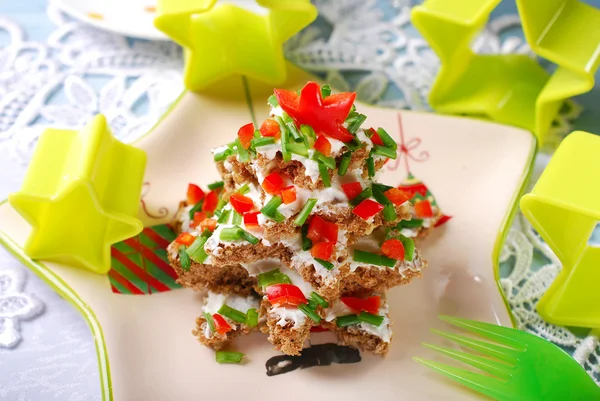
x=344, y=163
x=312, y=304
x=244, y=189
x=219, y=157
x=257, y=133
x=381, y=187
x=229, y=357
x=310, y=313
x=372, y=258
x=325, y=90
x=270, y=209
x=258, y=142
x=321, y=158
x=387, y=139
x=244, y=155
x=287, y=156
x=196, y=208
x=231, y=145
x=215, y=185
x=298, y=148
x=324, y=263
x=206, y=233
x=184, y=259
x=371, y=166
x=306, y=242
x=291, y=125
x=308, y=131
x=224, y=218
x=251, y=318
x=409, y=247
x=273, y=277
x=305, y=212
x=389, y=212
x=347, y=320
x=319, y=299
x=272, y=100
x=365, y=194
x=236, y=219
x=220, y=204
x=209, y=321
x=354, y=145
x=413, y=223
x=249, y=237
x=356, y=123
x=387, y=152
x=370, y=318
x=230, y=234
x=278, y=217
x=218, y=213
x=233, y=314
x=324, y=173
x=379, y=196
x=196, y=251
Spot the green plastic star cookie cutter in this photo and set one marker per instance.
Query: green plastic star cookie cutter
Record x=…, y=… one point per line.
x=80, y=195
x=510, y=88
x=225, y=39
x=564, y=207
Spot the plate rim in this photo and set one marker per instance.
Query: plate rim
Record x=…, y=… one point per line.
x=63, y=289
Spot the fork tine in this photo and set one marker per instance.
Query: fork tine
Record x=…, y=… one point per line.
x=499, y=369
x=483, y=384
x=503, y=335
x=507, y=355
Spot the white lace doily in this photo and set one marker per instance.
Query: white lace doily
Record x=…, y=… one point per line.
x=366, y=46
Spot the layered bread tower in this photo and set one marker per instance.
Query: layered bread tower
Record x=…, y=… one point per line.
x=299, y=236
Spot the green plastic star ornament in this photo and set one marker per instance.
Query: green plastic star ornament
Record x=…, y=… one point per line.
x=81, y=195
x=222, y=39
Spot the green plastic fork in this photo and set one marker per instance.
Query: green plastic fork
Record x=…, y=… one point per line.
x=521, y=366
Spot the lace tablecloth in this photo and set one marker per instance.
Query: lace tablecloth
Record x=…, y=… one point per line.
x=57, y=72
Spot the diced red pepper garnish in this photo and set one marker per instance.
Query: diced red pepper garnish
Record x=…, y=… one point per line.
x=318, y=329
x=241, y=203
x=251, y=219
x=221, y=324
x=396, y=196
x=210, y=202
x=316, y=226
x=273, y=183
x=185, y=239
x=285, y=294
x=198, y=218
x=330, y=232
x=322, y=250
x=323, y=145
x=367, y=209
x=352, y=189
x=324, y=115
x=288, y=194
x=270, y=127
x=393, y=248
x=442, y=220
x=194, y=194
x=246, y=134
x=370, y=304
x=208, y=224
x=375, y=138
x=423, y=209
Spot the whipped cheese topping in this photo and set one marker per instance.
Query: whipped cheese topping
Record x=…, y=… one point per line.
x=213, y=302
x=383, y=331
x=214, y=245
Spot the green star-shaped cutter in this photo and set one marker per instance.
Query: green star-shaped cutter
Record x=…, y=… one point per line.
x=510, y=88
x=564, y=207
x=81, y=195
x=225, y=39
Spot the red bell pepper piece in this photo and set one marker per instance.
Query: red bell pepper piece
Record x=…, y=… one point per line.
x=320, y=230
x=194, y=194
x=442, y=220
x=367, y=209
x=210, y=202
x=288, y=194
x=198, y=218
x=241, y=203
x=324, y=115
x=208, y=224
x=221, y=324
x=273, y=183
x=375, y=138
x=423, y=209
x=393, y=248
x=185, y=239
x=251, y=219
x=285, y=294
x=323, y=146
x=246, y=134
x=370, y=304
x=270, y=127
x=352, y=189
x=396, y=196
x=322, y=250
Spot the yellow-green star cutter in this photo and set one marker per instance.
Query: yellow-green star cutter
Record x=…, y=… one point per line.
x=225, y=39
x=81, y=195
x=564, y=207
x=510, y=88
